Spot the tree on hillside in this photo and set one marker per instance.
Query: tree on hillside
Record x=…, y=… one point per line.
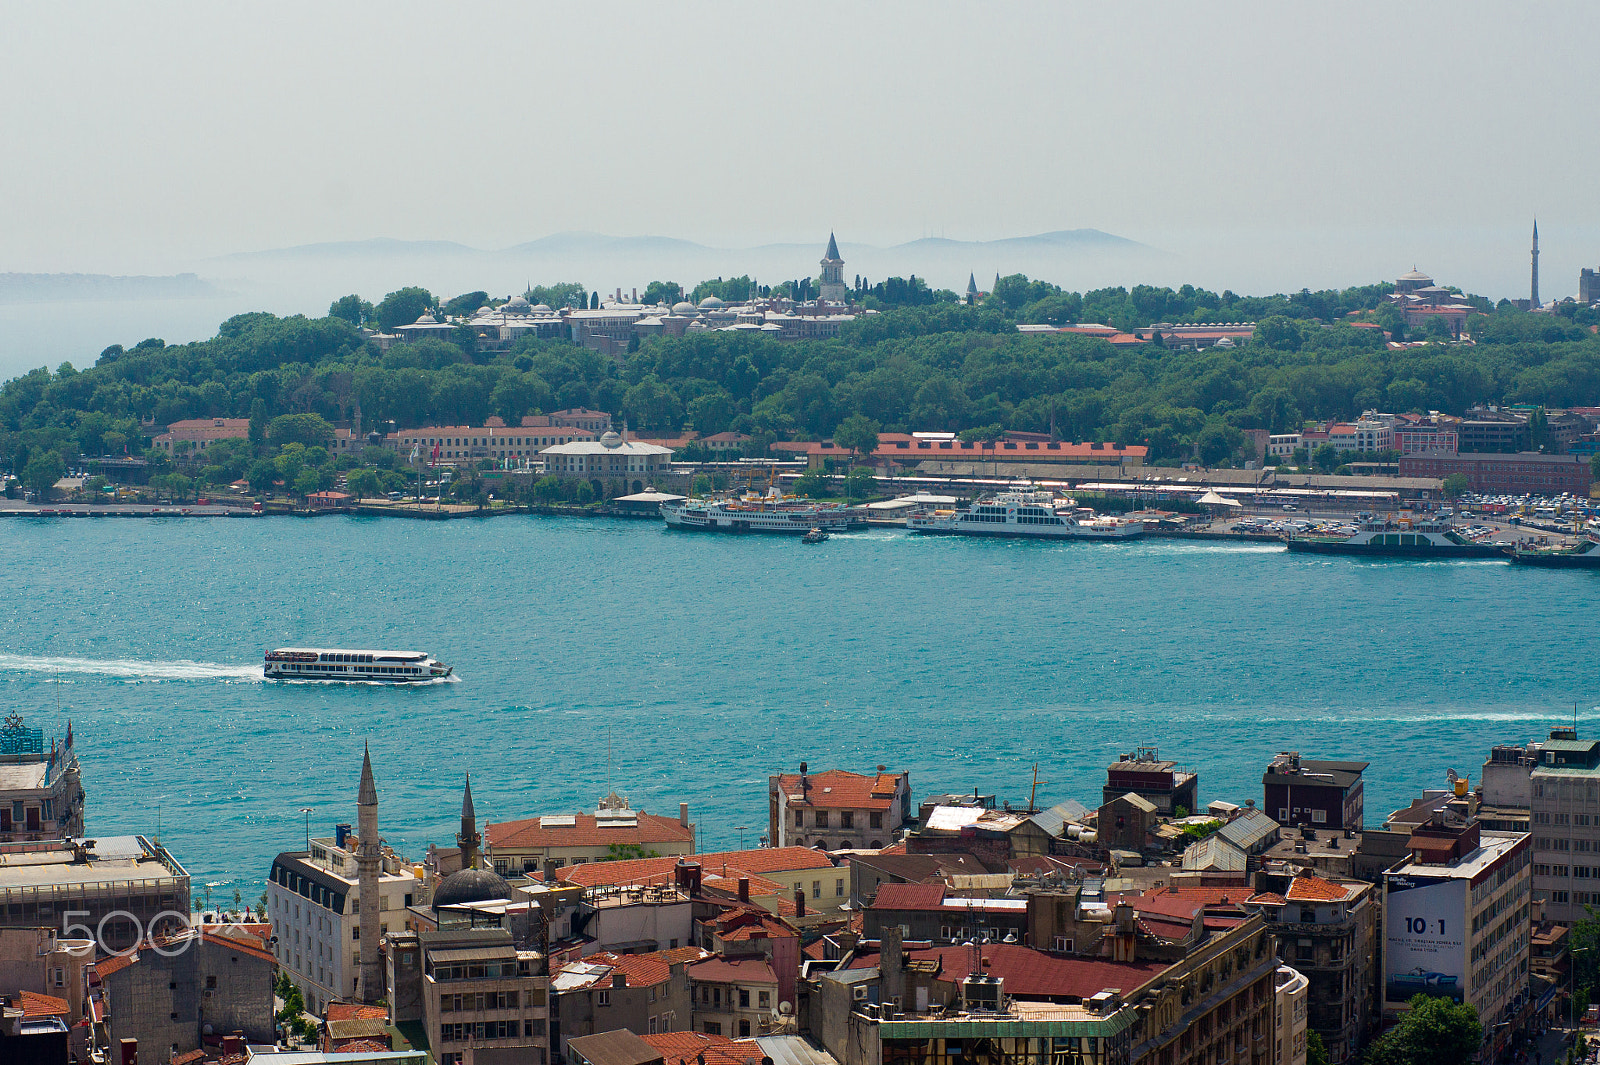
x=353, y=309
x=858, y=433
x=362, y=483
x=40, y=475
x=402, y=307
x=1435, y=1031
x=466, y=303
x=310, y=430
x=667, y=292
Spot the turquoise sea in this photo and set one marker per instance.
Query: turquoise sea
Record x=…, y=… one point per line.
x=594, y=655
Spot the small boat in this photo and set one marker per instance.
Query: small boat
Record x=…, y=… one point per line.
x=1585, y=554
x=815, y=536
x=375, y=667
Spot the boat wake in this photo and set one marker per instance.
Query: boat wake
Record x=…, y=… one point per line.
x=358, y=683
x=128, y=668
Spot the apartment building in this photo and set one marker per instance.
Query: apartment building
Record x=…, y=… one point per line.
x=560, y=840
x=1564, y=815
x=837, y=809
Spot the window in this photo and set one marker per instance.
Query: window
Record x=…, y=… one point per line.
x=712, y=1028
x=799, y=819
x=822, y=819
x=1063, y=945
x=744, y=1029
x=875, y=820
x=603, y=998
x=764, y=999
x=847, y=819
x=744, y=998
x=816, y=889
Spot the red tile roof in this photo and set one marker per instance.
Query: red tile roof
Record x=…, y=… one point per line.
x=646, y=970
x=728, y=864
x=355, y=1011
x=583, y=832
x=360, y=1046
x=1267, y=898
x=690, y=1048
x=240, y=945
x=107, y=966
x=721, y=971
x=1034, y=974
x=839, y=789
x=37, y=1005
x=189, y=1058
x=909, y=897
x=1310, y=888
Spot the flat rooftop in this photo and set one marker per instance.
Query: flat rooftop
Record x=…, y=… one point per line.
x=1492, y=847
x=61, y=863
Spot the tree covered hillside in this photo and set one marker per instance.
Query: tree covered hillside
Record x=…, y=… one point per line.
x=940, y=366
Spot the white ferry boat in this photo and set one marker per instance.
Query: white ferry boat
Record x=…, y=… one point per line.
x=1405, y=538
x=771, y=513
x=327, y=663
x=1025, y=511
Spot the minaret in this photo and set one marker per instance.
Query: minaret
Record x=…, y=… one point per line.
x=468, y=840
x=1534, y=300
x=369, y=867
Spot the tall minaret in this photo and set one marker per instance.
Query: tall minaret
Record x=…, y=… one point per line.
x=369, y=867
x=1534, y=301
x=468, y=840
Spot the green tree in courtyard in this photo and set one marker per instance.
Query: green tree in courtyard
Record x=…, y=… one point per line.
x=1435, y=1031
x=1456, y=485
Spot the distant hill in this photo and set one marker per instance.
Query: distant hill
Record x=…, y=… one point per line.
x=1088, y=239
x=355, y=249
x=50, y=288
x=582, y=243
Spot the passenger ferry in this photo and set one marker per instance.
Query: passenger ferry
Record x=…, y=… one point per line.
x=1404, y=538
x=1025, y=511
x=1585, y=554
x=383, y=667
x=771, y=513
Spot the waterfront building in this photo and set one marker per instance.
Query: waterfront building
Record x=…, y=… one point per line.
x=609, y=457
x=315, y=899
x=645, y=994
x=1327, y=930
x=41, y=791
x=101, y=882
x=450, y=444
x=1457, y=922
x=1564, y=814
x=555, y=841
x=910, y=449
x=1524, y=473
x=478, y=995
x=1143, y=772
x=1322, y=794
x=837, y=809
x=175, y=990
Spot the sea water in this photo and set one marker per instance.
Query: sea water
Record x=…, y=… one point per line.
x=601, y=655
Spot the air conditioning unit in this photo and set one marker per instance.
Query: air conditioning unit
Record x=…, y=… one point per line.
x=859, y=992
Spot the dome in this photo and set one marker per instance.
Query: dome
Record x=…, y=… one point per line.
x=486, y=309
x=611, y=439
x=1415, y=275
x=683, y=308
x=710, y=303
x=471, y=885
x=542, y=308
x=427, y=319
x=517, y=305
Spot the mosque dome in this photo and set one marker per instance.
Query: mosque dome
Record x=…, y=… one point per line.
x=710, y=303
x=611, y=439
x=471, y=885
x=683, y=308
x=485, y=309
x=542, y=308
x=517, y=305
x=427, y=319
x=1415, y=275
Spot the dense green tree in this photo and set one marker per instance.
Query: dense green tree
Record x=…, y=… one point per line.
x=859, y=434
x=1456, y=485
x=261, y=475
x=305, y=429
x=362, y=483
x=43, y=470
x=402, y=307
x=665, y=292
x=1434, y=1031
x=353, y=309
x=562, y=294
x=466, y=303
x=1316, y=1050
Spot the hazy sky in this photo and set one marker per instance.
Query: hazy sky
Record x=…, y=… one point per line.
x=1290, y=143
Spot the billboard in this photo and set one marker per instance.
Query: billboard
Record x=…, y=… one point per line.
x=1425, y=937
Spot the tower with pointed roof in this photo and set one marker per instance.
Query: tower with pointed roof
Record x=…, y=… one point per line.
x=833, y=286
x=972, y=290
x=1533, y=296
x=369, y=867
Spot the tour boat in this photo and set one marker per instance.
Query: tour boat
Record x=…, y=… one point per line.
x=771, y=513
x=1585, y=554
x=1404, y=538
x=815, y=536
x=1024, y=511
x=326, y=663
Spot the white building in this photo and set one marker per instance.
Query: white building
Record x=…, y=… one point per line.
x=610, y=456
x=1456, y=924
x=314, y=906
x=1282, y=445
x=1290, y=991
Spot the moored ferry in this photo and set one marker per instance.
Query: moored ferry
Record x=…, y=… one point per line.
x=327, y=663
x=1404, y=538
x=1025, y=512
x=1585, y=554
x=760, y=514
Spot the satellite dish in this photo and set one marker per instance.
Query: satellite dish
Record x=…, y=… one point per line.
x=786, y=1008
x=1451, y=775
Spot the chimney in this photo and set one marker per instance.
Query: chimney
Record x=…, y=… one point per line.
x=619, y=980
x=804, y=783
x=889, y=964
x=232, y=1044
x=744, y=889
x=799, y=902
x=129, y=1052
x=1122, y=948
x=683, y=814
